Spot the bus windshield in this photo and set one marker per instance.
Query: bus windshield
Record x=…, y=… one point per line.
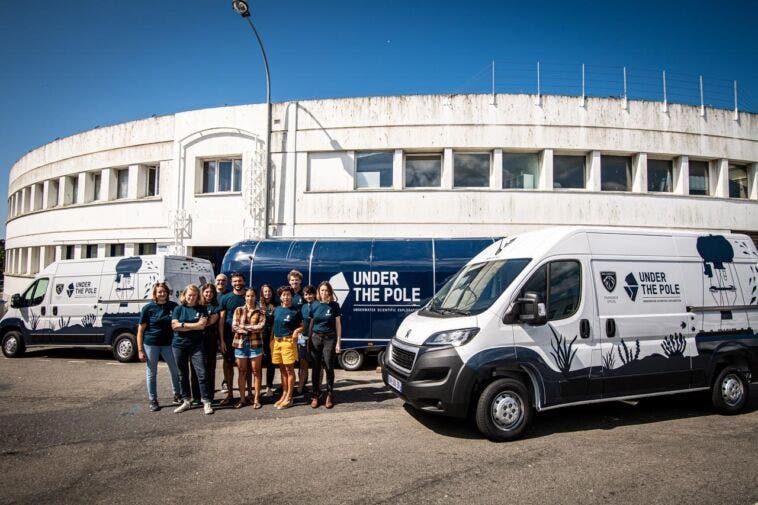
x=476, y=287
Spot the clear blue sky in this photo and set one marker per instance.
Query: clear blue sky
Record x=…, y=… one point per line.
x=69, y=66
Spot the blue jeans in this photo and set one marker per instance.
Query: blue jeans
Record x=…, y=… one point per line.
x=183, y=357
x=152, y=353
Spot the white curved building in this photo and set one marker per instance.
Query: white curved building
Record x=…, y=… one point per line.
x=405, y=166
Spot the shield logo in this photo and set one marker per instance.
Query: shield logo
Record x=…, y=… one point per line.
x=58, y=289
x=70, y=290
x=609, y=280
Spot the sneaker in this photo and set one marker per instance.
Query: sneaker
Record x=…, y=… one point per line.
x=195, y=403
x=181, y=408
x=154, y=407
x=224, y=387
x=207, y=409
x=177, y=398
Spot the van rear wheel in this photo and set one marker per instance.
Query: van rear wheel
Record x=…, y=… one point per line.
x=13, y=344
x=351, y=360
x=730, y=391
x=503, y=410
x=125, y=348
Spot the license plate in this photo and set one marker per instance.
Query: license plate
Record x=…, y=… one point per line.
x=394, y=383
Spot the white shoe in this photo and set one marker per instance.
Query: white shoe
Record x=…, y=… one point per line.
x=181, y=408
x=207, y=409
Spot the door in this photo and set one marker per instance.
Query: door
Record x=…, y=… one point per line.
x=563, y=351
x=34, y=307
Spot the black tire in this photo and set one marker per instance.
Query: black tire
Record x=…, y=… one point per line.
x=380, y=358
x=730, y=391
x=125, y=348
x=351, y=360
x=13, y=344
x=504, y=410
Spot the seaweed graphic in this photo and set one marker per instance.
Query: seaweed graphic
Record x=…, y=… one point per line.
x=33, y=320
x=562, y=351
x=61, y=323
x=751, y=285
x=609, y=359
x=628, y=355
x=88, y=321
x=674, y=345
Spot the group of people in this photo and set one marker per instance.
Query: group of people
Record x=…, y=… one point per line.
x=294, y=327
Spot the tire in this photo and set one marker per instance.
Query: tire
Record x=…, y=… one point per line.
x=504, y=410
x=730, y=391
x=13, y=344
x=380, y=358
x=351, y=360
x=125, y=348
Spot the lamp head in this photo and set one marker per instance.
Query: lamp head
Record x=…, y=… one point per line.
x=240, y=6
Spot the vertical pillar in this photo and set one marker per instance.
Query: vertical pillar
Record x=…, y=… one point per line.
x=130, y=249
x=28, y=267
x=546, y=170
x=81, y=196
x=108, y=184
x=60, y=251
x=447, y=168
x=134, y=187
x=720, y=178
x=594, y=171
x=102, y=250
x=752, y=181
x=496, y=170
x=682, y=175
x=398, y=174
x=639, y=173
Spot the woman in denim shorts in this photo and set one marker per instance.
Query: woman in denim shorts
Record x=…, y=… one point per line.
x=247, y=325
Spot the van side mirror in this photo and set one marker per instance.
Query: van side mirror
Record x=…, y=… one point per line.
x=16, y=301
x=528, y=309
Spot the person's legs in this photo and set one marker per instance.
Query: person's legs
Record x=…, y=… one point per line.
x=242, y=379
x=211, y=350
x=316, y=351
x=329, y=345
x=151, y=353
x=229, y=363
x=283, y=375
x=258, y=375
x=194, y=384
x=198, y=362
x=182, y=363
x=168, y=357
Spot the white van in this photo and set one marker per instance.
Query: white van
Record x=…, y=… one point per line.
x=568, y=316
x=93, y=302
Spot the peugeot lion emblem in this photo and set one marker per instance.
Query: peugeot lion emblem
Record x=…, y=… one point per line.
x=58, y=289
x=609, y=280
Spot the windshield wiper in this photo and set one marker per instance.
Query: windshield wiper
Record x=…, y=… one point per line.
x=454, y=311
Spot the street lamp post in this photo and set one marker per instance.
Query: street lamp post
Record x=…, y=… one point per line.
x=241, y=7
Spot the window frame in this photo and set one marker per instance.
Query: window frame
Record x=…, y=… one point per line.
x=537, y=174
x=235, y=176
x=738, y=166
x=490, y=161
x=707, y=178
x=629, y=169
x=439, y=155
x=670, y=174
x=120, y=171
x=548, y=275
x=583, y=157
x=356, y=165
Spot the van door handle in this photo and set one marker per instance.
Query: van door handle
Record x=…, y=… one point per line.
x=42, y=311
x=610, y=328
x=55, y=311
x=584, y=328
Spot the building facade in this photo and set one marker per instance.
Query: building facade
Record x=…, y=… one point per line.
x=406, y=166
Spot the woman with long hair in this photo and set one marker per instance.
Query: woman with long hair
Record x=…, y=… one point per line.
x=326, y=334
x=288, y=324
x=267, y=306
x=247, y=325
x=208, y=298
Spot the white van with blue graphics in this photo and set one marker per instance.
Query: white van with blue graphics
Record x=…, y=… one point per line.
x=93, y=302
x=568, y=316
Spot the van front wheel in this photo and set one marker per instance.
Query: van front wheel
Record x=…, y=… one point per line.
x=730, y=391
x=504, y=410
x=125, y=348
x=13, y=344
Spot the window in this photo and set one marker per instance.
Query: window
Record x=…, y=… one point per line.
x=145, y=248
x=68, y=252
x=659, y=176
x=122, y=183
x=561, y=281
x=153, y=182
x=222, y=176
x=74, y=189
x=699, y=184
x=96, y=178
x=116, y=250
x=423, y=170
x=568, y=172
x=520, y=171
x=90, y=251
x=737, y=181
x=615, y=173
x=35, y=293
x=373, y=169
x=471, y=170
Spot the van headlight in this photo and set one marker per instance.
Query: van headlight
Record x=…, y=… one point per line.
x=451, y=337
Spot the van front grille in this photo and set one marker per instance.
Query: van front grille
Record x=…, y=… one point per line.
x=402, y=358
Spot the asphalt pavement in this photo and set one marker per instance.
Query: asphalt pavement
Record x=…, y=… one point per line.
x=75, y=428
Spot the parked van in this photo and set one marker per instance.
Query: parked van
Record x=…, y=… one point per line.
x=377, y=282
x=569, y=316
x=93, y=302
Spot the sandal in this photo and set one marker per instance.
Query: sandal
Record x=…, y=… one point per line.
x=256, y=405
x=226, y=401
x=241, y=404
x=284, y=405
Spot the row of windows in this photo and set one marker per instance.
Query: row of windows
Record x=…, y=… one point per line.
x=67, y=191
x=30, y=260
x=524, y=171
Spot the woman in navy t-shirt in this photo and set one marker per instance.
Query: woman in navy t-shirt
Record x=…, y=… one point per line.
x=326, y=333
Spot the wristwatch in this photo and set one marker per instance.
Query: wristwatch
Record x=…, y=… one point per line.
x=182, y=324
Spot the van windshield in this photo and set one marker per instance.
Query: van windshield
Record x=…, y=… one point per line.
x=476, y=287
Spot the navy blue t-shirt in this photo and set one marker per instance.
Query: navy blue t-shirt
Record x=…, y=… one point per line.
x=185, y=314
x=298, y=300
x=325, y=317
x=157, y=317
x=286, y=321
x=229, y=302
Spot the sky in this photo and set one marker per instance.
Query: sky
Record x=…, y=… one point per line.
x=71, y=66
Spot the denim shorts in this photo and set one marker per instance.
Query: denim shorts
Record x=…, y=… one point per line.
x=248, y=352
x=302, y=351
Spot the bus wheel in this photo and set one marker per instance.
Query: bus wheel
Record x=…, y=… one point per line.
x=351, y=360
x=503, y=410
x=125, y=348
x=730, y=391
x=13, y=344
